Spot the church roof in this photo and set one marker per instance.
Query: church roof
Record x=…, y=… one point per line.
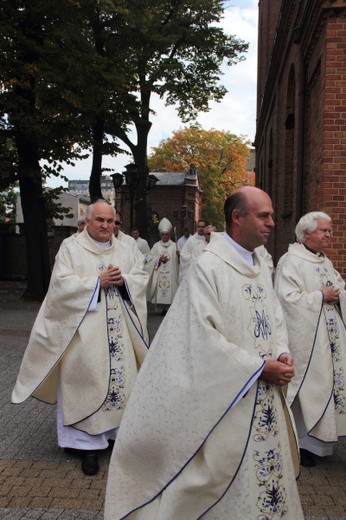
x=175, y=178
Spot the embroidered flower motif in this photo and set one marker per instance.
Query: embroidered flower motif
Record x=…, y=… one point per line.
x=114, y=325
x=164, y=283
x=115, y=398
x=339, y=391
x=273, y=501
x=272, y=495
x=254, y=292
x=116, y=395
x=115, y=349
x=322, y=272
x=268, y=465
x=337, y=353
x=265, y=420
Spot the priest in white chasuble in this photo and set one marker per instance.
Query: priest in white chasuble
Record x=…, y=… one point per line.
x=89, y=338
x=193, y=247
x=163, y=267
x=313, y=298
x=207, y=433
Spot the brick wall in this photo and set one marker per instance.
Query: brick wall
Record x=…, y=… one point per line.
x=268, y=16
x=309, y=57
x=166, y=201
x=334, y=138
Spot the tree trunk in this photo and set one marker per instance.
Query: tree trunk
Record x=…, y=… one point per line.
x=142, y=217
x=96, y=170
x=35, y=223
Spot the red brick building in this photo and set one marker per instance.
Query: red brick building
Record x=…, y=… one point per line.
x=301, y=115
x=176, y=196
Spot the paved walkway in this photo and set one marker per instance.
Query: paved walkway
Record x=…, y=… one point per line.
x=39, y=481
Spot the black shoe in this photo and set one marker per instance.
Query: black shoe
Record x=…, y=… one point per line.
x=90, y=463
x=306, y=459
x=72, y=451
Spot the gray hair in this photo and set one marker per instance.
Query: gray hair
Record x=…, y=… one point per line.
x=90, y=209
x=210, y=228
x=308, y=222
x=81, y=219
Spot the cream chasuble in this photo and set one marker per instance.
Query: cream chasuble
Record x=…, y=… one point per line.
x=202, y=436
x=163, y=281
x=130, y=242
x=317, y=339
x=94, y=354
x=194, y=246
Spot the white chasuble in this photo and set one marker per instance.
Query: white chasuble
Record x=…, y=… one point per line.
x=94, y=355
x=317, y=339
x=163, y=282
x=202, y=436
x=193, y=247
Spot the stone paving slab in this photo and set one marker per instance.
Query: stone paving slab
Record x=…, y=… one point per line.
x=39, y=481
x=52, y=514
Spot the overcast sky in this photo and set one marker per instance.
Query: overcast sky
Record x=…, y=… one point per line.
x=236, y=113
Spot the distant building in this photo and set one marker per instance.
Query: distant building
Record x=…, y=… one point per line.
x=301, y=107
x=12, y=243
x=176, y=196
x=251, y=162
x=81, y=188
x=76, y=203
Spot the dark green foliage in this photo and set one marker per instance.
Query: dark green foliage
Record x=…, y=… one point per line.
x=76, y=74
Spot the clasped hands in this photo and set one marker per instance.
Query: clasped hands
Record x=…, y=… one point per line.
x=164, y=259
x=111, y=276
x=278, y=372
x=331, y=294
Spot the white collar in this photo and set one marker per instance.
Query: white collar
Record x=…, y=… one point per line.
x=244, y=253
x=104, y=245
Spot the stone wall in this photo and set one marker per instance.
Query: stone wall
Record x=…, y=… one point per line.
x=13, y=251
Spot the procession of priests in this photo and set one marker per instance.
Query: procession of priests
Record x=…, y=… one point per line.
x=89, y=338
x=243, y=381
x=206, y=432
x=313, y=297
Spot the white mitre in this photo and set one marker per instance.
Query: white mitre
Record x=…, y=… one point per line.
x=165, y=226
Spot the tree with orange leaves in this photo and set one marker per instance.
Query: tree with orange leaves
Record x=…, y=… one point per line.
x=220, y=158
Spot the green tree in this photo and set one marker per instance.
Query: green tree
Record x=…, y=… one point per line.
x=8, y=200
x=170, y=49
x=220, y=158
x=105, y=20
x=77, y=74
x=176, y=50
x=43, y=86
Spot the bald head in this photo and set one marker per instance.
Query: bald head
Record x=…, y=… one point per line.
x=100, y=221
x=249, y=217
